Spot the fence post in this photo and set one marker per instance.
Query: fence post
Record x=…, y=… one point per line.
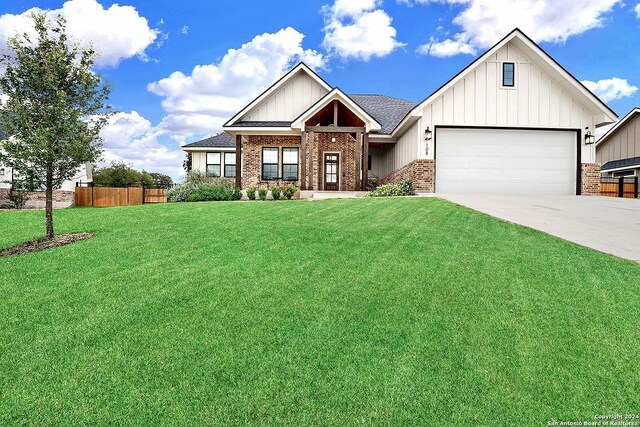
x=635, y=187
x=621, y=187
x=143, y=193
x=92, y=186
x=128, y=195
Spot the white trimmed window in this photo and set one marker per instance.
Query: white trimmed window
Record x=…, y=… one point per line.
x=230, y=165
x=213, y=164
x=269, y=163
x=290, y=164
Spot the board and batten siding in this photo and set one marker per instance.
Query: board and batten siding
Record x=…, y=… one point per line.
x=289, y=101
x=624, y=144
x=478, y=99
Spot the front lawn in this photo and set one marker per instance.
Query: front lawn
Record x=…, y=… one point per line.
x=347, y=312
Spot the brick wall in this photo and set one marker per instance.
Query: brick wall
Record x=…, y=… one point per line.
x=590, y=184
x=252, y=155
x=421, y=173
x=345, y=145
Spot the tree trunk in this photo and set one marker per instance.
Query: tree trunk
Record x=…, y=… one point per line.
x=49, y=205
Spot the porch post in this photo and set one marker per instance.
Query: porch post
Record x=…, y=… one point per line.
x=239, y=161
x=303, y=161
x=365, y=172
x=311, y=148
x=359, y=161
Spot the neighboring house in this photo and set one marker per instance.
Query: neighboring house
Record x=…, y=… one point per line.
x=62, y=197
x=618, y=151
x=514, y=121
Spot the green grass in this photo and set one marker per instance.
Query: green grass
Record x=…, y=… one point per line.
x=352, y=312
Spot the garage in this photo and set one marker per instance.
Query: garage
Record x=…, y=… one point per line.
x=506, y=161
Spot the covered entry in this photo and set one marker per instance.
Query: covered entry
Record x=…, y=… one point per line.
x=506, y=161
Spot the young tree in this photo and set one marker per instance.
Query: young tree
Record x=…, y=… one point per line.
x=55, y=107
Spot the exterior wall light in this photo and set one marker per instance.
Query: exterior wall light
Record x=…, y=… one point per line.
x=589, y=138
x=333, y=140
x=428, y=134
x=1, y=172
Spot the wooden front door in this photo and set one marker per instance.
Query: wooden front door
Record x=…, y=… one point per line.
x=331, y=172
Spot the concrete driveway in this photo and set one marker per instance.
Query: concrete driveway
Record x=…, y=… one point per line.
x=606, y=224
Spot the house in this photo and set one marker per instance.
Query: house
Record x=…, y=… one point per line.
x=514, y=121
x=618, y=151
x=63, y=197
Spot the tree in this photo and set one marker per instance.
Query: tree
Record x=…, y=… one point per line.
x=55, y=107
x=119, y=174
x=187, y=163
x=161, y=180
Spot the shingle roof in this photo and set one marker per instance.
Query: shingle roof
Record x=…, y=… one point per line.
x=268, y=124
x=616, y=164
x=388, y=111
x=220, y=140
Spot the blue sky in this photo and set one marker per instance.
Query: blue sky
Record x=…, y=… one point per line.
x=175, y=79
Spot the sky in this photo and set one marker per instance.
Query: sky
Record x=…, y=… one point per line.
x=179, y=70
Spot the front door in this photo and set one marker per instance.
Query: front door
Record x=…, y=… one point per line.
x=331, y=171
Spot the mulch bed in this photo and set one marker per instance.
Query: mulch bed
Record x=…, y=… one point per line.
x=44, y=243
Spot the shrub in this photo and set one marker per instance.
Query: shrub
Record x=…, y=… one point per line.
x=276, y=192
x=403, y=188
x=18, y=198
x=288, y=191
x=181, y=192
x=262, y=193
x=198, y=187
x=374, y=182
x=214, y=193
x=251, y=192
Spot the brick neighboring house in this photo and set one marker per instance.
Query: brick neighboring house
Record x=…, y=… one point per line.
x=513, y=121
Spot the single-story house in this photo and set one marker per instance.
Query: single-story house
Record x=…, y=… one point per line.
x=63, y=197
x=618, y=151
x=513, y=121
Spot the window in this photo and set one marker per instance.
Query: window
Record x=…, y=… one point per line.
x=290, y=164
x=623, y=174
x=213, y=164
x=269, y=163
x=230, y=165
x=369, y=162
x=508, y=74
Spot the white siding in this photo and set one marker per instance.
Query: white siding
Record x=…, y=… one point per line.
x=289, y=101
x=479, y=99
x=403, y=152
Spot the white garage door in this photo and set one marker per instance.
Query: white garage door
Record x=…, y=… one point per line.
x=505, y=161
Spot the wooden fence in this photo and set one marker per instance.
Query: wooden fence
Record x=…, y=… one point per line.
x=619, y=187
x=103, y=197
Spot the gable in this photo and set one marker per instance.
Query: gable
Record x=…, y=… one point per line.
x=536, y=100
x=470, y=97
x=620, y=143
x=287, y=102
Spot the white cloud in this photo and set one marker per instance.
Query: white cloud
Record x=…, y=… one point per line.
x=448, y=47
x=185, y=30
x=129, y=137
x=358, y=29
x=484, y=22
x=202, y=101
x=611, y=89
x=117, y=33
x=637, y=9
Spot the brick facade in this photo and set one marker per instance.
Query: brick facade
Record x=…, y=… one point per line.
x=421, y=173
x=590, y=181
x=252, y=156
x=345, y=145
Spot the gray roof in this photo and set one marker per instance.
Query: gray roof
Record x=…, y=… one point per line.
x=219, y=140
x=388, y=111
x=616, y=164
x=268, y=124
